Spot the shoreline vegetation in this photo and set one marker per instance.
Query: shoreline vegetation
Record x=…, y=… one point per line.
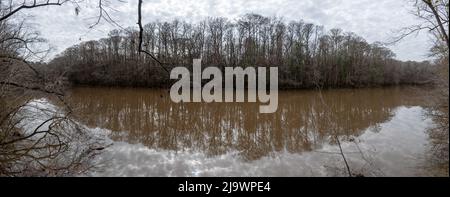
x=429, y=85
x=308, y=56
x=38, y=140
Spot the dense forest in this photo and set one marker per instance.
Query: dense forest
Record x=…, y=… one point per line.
x=307, y=55
x=37, y=140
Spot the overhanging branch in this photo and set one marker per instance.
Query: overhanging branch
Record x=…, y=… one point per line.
x=141, y=32
x=34, y=5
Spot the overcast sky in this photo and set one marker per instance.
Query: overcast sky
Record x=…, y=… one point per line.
x=373, y=20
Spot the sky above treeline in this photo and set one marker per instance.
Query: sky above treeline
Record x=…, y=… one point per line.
x=374, y=20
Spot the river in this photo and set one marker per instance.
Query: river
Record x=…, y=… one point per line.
x=381, y=132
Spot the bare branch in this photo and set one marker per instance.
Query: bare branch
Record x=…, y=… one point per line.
x=34, y=5
x=141, y=30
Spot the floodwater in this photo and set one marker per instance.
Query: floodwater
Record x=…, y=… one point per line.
x=381, y=132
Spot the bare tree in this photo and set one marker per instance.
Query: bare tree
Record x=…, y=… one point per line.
x=305, y=54
x=434, y=15
x=35, y=139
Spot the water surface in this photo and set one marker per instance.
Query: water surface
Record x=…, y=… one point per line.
x=383, y=132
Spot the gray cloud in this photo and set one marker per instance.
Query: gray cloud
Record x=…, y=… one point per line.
x=373, y=20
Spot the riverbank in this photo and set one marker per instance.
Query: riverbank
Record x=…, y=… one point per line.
x=281, y=87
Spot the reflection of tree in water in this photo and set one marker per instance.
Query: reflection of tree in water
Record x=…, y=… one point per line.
x=300, y=124
x=438, y=159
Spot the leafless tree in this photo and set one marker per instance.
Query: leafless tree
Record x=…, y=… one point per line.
x=36, y=140
x=305, y=54
x=434, y=16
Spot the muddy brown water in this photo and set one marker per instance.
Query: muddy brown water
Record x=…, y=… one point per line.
x=383, y=132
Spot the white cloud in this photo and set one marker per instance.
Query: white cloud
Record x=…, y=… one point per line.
x=373, y=20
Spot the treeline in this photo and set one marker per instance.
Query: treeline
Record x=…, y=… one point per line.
x=307, y=55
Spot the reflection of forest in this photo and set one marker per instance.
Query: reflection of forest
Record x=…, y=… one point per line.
x=302, y=122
